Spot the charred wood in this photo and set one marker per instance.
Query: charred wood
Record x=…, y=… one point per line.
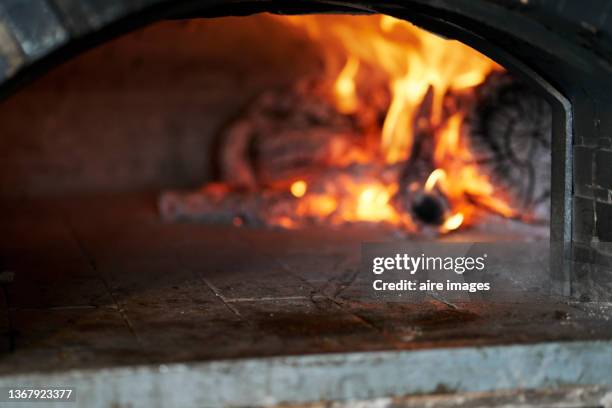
x=509, y=130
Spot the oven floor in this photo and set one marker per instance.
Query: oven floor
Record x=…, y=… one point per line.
x=100, y=281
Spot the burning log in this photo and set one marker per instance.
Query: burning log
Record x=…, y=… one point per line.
x=427, y=205
x=429, y=208
x=508, y=129
x=285, y=135
x=423, y=143
x=505, y=140
x=298, y=136
x=329, y=200
x=217, y=204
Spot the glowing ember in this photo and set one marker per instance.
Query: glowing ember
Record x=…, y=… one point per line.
x=317, y=205
x=373, y=205
x=453, y=222
x=298, y=188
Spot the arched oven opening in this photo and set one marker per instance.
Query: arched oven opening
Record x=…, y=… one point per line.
x=279, y=179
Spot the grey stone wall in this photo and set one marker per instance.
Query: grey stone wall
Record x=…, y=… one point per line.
x=592, y=201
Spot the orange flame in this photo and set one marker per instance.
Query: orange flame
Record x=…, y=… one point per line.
x=411, y=59
x=436, y=176
x=412, y=65
x=344, y=87
x=464, y=182
x=448, y=140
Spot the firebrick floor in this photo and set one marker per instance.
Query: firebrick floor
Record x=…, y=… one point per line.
x=100, y=281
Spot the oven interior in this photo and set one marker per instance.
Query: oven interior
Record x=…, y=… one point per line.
x=200, y=189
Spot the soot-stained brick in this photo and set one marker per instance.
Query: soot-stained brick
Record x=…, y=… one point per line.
x=584, y=220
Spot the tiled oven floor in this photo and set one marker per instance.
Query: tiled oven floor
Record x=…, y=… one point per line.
x=100, y=281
